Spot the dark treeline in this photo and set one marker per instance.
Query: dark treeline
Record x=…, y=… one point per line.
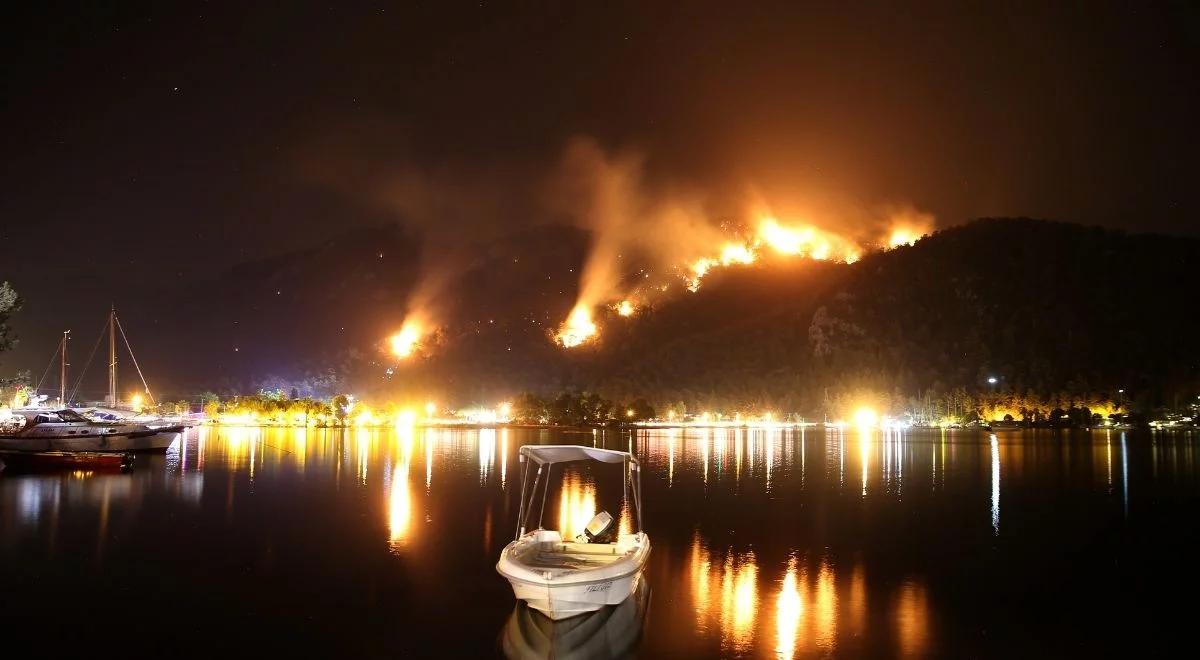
x=578, y=409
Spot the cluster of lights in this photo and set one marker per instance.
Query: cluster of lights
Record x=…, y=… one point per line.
x=360, y=415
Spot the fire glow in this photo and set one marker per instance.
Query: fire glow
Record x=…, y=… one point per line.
x=801, y=240
x=405, y=342
x=578, y=328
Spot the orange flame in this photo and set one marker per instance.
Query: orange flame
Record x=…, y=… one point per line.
x=578, y=328
x=405, y=342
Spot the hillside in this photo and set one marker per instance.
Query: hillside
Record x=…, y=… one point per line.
x=1042, y=306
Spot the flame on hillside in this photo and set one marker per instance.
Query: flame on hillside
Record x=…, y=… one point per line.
x=406, y=342
x=578, y=328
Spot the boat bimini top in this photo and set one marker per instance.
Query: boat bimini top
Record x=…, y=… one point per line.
x=546, y=456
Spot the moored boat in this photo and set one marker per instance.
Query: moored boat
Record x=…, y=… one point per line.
x=561, y=577
x=49, y=461
x=67, y=430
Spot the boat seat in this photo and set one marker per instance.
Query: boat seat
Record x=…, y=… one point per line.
x=587, y=548
x=574, y=561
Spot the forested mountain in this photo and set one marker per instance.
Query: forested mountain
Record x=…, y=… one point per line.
x=1046, y=308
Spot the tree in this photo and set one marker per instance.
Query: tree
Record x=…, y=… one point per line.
x=9, y=302
x=340, y=405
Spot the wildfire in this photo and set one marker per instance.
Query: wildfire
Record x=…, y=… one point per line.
x=784, y=240
x=406, y=341
x=737, y=253
x=907, y=227
x=799, y=240
x=578, y=328
x=699, y=269
x=902, y=236
x=806, y=242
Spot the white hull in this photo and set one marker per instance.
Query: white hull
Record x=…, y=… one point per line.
x=562, y=592
x=564, y=601
x=103, y=443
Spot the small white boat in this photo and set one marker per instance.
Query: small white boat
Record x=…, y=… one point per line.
x=565, y=577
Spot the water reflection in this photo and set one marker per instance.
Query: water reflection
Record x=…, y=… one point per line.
x=995, y=453
x=912, y=619
x=577, y=504
x=400, y=497
x=759, y=548
x=725, y=594
x=610, y=632
x=789, y=608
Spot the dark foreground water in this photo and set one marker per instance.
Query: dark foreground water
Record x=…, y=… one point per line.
x=766, y=543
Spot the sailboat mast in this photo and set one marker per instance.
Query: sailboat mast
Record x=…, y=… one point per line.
x=62, y=379
x=112, y=357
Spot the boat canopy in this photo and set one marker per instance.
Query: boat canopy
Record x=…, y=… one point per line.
x=550, y=454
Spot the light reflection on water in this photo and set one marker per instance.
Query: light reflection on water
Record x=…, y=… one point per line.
x=767, y=541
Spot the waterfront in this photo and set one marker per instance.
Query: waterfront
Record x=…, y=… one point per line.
x=766, y=543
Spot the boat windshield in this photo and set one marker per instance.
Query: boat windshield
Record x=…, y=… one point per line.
x=70, y=416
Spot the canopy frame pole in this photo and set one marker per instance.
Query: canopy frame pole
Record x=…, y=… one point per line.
x=545, y=491
x=521, y=510
x=532, y=493
x=637, y=495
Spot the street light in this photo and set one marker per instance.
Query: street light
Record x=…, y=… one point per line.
x=991, y=380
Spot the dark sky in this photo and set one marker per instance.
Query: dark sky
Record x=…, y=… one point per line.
x=154, y=143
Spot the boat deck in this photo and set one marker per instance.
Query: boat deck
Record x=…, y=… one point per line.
x=573, y=555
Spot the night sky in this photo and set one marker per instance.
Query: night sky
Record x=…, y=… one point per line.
x=150, y=145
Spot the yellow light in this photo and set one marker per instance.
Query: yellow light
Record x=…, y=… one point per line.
x=578, y=328
x=404, y=419
x=865, y=418
x=629, y=412
x=625, y=308
x=136, y=401
x=505, y=410
x=405, y=342
x=430, y=408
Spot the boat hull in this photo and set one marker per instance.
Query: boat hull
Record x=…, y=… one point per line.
x=565, y=601
x=561, y=594
x=149, y=441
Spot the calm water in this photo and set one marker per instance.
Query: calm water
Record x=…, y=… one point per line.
x=766, y=543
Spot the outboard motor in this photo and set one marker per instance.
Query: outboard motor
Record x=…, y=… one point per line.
x=601, y=529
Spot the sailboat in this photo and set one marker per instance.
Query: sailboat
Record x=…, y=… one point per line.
x=62, y=428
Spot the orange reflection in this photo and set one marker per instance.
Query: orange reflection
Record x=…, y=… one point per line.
x=912, y=619
x=789, y=609
x=576, y=505
x=824, y=606
x=737, y=609
x=400, y=500
x=739, y=599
